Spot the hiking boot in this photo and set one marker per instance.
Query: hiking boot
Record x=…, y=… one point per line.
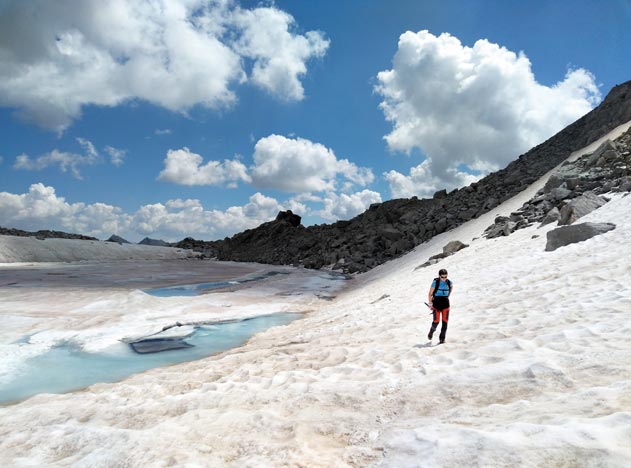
x=430, y=335
x=442, y=341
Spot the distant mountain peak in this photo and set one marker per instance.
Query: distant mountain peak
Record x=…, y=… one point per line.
x=154, y=242
x=118, y=239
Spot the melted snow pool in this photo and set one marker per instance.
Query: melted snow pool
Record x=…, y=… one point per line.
x=201, y=288
x=66, y=367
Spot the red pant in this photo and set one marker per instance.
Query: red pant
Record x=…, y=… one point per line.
x=438, y=314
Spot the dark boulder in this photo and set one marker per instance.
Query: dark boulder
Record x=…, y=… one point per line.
x=605, y=152
x=566, y=235
x=551, y=216
x=580, y=206
x=390, y=233
x=454, y=246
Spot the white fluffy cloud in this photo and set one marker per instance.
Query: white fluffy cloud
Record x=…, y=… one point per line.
x=477, y=106
x=56, y=57
x=186, y=168
x=300, y=165
x=279, y=55
x=68, y=161
x=42, y=208
x=65, y=160
x=176, y=219
x=258, y=210
x=345, y=206
x=422, y=183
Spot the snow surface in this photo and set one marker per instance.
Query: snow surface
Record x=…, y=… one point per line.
x=15, y=249
x=536, y=370
x=98, y=306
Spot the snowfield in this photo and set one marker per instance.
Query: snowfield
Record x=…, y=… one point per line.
x=15, y=249
x=536, y=370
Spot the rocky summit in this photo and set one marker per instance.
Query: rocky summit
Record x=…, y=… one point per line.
x=117, y=239
x=387, y=230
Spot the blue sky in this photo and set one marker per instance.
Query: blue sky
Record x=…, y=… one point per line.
x=204, y=118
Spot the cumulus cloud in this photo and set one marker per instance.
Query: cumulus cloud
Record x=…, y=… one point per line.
x=279, y=56
x=186, y=168
x=42, y=208
x=347, y=206
x=56, y=57
x=259, y=209
x=176, y=219
x=300, y=165
x=478, y=107
x=422, y=183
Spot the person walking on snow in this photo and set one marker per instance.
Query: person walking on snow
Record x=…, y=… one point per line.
x=438, y=299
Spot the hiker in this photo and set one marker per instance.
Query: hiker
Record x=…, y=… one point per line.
x=438, y=299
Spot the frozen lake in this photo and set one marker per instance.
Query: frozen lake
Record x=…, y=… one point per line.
x=68, y=326
x=66, y=367
x=201, y=288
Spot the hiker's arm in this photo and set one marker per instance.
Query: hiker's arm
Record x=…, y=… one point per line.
x=431, y=293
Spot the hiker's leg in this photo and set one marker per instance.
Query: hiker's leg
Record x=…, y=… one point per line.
x=435, y=321
x=443, y=328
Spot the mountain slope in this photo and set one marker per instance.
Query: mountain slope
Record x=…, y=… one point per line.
x=389, y=229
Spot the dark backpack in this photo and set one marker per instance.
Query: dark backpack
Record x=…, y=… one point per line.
x=437, y=280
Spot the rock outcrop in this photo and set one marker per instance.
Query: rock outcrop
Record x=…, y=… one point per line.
x=204, y=248
x=579, y=207
x=575, y=190
x=448, y=250
x=387, y=230
x=566, y=235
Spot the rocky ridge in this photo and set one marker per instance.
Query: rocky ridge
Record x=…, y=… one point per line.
x=574, y=190
x=387, y=230
x=43, y=234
